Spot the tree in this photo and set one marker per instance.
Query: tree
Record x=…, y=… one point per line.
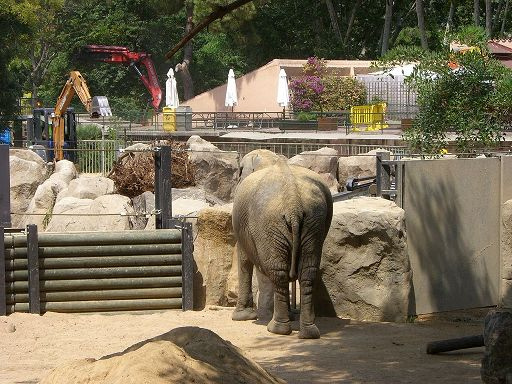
x=11, y=29
x=387, y=26
x=470, y=102
x=315, y=90
x=420, y=13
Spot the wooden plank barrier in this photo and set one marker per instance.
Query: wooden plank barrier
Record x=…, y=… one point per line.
x=96, y=271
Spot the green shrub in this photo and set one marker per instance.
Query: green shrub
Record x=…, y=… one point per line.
x=88, y=132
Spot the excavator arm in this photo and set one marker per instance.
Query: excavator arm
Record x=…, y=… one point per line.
x=96, y=106
x=122, y=55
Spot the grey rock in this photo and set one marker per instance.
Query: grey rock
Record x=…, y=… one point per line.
x=216, y=171
x=364, y=271
x=497, y=361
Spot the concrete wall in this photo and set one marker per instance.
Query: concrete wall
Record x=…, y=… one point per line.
x=453, y=215
x=257, y=90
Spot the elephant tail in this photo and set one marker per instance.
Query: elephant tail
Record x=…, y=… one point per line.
x=295, y=232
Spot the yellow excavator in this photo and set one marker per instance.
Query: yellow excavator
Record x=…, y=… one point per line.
x=51, y=132
x=96, y=107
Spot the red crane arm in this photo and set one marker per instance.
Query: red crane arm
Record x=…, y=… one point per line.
x=122, y=55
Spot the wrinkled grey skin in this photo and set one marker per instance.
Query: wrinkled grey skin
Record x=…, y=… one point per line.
x=281, y=216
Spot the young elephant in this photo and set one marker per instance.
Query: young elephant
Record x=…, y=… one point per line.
x=281, y=216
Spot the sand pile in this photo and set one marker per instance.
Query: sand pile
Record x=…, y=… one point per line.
x=183, y=355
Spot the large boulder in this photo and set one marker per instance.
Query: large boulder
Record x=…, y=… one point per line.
x=41, y=205
x=213, y=253
x=88, y=187
x=323, y=161
x=497, y=361
x=27, y=171
x=363, y=165
x=186, y=202
x=256, y=160
x=105, y=213
x=182, y=355
x=364, y=271
x=216, y=171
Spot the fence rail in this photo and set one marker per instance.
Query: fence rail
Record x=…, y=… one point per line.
x=62, y=272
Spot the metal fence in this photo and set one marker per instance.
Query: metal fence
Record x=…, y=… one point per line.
x=399, y=97
x=98, y=156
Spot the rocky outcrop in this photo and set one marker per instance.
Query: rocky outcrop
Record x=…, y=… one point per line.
x=185, y=202
x=497, y=361
x=365, y=272
x=88, y=187
x=216, y=171
x=105, y=213
x=213, y=253
x=41, y=205
x=182, y=355
x=27, y=171
x=357, y=166
x=256, y=160
x=323, y=161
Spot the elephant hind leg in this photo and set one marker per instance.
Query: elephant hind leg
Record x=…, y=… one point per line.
x=280, y=323
x=244, y=306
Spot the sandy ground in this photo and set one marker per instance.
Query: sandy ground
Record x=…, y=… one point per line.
x=348, y=351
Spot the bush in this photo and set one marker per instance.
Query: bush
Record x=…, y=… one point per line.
x=88, y=132
x=317, y=91
x=473, y=102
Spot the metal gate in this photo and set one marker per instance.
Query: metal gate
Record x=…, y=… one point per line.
x=96, y=271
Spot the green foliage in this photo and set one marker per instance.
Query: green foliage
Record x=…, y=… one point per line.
x=468, y=102
x=213, y=59
x=88, y=132
x=472, y=36
x=305, y=116
x=341, y=93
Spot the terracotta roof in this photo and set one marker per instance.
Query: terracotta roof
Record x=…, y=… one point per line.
x=500, y=47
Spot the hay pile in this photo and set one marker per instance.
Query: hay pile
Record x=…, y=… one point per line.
x=134, y=172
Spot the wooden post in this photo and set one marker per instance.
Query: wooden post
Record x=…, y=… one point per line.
x=383, y=175
x=3, y=302
x=163, y=189
x=5, y=199
x=187, y=264
x=33, y=269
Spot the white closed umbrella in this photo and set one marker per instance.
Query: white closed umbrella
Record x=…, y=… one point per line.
x=231, y=96
x=283, y=95
x=171, y=91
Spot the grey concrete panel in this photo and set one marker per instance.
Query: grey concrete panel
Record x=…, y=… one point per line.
x=506, y=176
x=452, y=210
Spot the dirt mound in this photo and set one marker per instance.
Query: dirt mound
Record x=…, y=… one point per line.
x=183, y=355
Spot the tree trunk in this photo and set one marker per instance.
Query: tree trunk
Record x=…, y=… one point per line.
x=334, y=19
x=449, y=22
x=351, y=21
x=496, y=16
x=505, y=12
x=182, y=69
x=476, y=12
x=387, y=26
x=488, y=18
x=421, y=23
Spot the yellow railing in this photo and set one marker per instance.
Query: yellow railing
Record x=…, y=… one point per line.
x=368, y=117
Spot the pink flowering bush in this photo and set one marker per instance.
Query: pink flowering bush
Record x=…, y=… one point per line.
x=314, y=90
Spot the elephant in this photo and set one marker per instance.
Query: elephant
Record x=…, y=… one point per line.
x=281, y=216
